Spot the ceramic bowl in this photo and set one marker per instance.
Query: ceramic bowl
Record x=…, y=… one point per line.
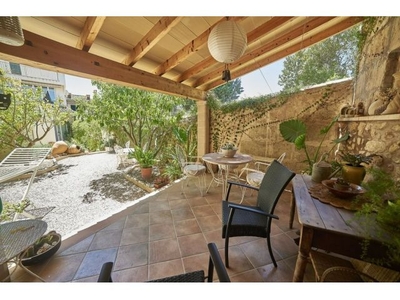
x=353, y=191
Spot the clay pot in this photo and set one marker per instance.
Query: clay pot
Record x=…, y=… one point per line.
x=146, y=173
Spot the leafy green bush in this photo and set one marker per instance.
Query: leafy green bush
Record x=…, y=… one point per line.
x=87, y=134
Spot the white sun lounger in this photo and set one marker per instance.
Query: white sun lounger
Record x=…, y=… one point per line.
x=21, y=161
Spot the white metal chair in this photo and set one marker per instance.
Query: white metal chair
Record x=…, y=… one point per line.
x=255, y=176
x=192, y=169
x=122, y=156
x=21, y=161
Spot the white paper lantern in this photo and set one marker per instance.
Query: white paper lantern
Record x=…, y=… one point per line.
x=227, y=41
x=11, y=31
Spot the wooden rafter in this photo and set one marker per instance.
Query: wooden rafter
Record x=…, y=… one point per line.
x=189, y=49
x=89, y=32
x=162, y=27
x=251, y=37
x=47, y=54
x=339, y=27
x=297, y=31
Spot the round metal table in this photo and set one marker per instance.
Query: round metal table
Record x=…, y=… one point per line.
x=17, y=236
x=225, y=163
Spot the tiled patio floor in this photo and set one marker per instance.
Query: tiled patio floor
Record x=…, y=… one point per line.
x=167, y=234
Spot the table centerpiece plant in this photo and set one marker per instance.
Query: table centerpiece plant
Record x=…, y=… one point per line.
x=228, y=150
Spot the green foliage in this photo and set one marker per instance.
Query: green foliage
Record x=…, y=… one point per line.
x=295, y=131
x=29, y=118
x=331, y=59
x=355, y=160
x=145, y=118
x=145, y=158
x=87, y=134
x=9, y=209
x=229, y=91
x=382, y=201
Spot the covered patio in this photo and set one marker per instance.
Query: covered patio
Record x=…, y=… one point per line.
x=167, y=234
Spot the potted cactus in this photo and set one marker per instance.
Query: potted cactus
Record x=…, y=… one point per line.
x=228, y=150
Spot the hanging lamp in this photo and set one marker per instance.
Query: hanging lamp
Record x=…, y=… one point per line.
x=11, y=31
x=227, y=42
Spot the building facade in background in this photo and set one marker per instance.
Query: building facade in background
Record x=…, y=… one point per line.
x=53, y=87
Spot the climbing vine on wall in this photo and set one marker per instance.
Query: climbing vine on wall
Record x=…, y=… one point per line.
x=231, y=121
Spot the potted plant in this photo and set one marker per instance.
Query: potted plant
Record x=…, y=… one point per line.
x=353, y=169
x=228, y=150
x=295, y=131
x=42, y=249
x=145, y=159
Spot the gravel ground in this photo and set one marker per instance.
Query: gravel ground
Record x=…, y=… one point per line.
x=83, y=190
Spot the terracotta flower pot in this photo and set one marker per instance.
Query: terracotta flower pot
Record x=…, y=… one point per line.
x=146, y=173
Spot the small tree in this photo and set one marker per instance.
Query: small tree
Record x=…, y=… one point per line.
x=29, y=117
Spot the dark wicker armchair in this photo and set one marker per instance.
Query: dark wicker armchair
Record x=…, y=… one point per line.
x=244, y=220
x=215, y=261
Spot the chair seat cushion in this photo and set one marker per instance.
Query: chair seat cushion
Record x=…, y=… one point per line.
x=244, y=223
x=194, y=170
x=255, y=178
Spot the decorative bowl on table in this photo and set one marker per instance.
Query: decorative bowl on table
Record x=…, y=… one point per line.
x=42, y=249
x=341, y=190
x=228, y=152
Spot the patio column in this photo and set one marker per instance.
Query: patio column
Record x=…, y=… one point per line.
x=203, y=128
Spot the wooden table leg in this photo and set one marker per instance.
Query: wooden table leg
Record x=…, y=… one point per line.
x=306, y=236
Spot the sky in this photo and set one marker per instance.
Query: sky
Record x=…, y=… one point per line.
x=259, y=82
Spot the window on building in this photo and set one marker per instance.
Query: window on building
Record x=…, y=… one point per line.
x=15, y=68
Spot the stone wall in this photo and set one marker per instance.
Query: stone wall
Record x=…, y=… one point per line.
x=316, y=107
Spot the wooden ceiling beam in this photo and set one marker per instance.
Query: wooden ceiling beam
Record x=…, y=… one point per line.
x=252, y=36
x=89, y=32
x=189, y=49
x=299, y=30
x=339, y=27
x=159, y=30
x=41, y=52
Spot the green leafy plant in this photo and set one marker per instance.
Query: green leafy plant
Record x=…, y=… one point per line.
x=382, y=201
x=9, y=209
x=228, y=146
x=295, y=131
x=145, y=158
x=356, y=160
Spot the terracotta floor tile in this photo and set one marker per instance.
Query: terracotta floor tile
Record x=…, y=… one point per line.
x=132, y=235
x=138, y=274
x=62, y=268
x=79, y=247
x=164, y=250
x=203, y=211
x=187, y=227
x=106, y=239
x=210, y=223
x=130, y=256
x=161, y=231
x=182, y=214
x=192, y=244
x=93, y=261
x=137, y=220
x=165, y=269
x=160, y=217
